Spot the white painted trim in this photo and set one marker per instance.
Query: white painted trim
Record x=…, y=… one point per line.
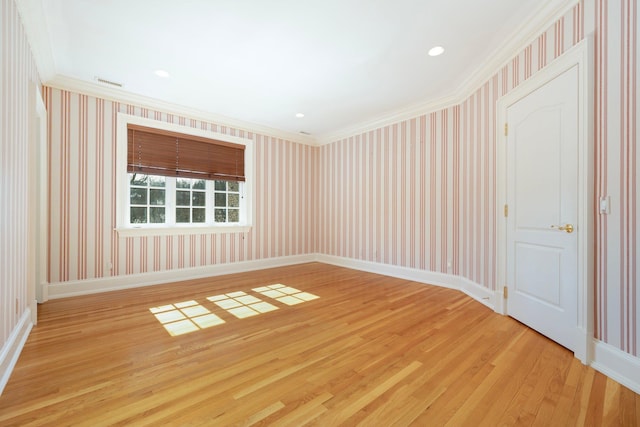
x=546, y=15
x=33, y=308
x=541, y=20
x=391, y=117
x=122, y=190
x=35, y=25
x=106, y=284
x=43, y=198
x=181, y=230
x=37, y=31
x=13, y=347
x=616, y=364
x=500, y=303
x=415, y=275
x=476, y=291
x=580, y=55
x=472, y=289
x=612, y=362
x=586, y=207
x=121, y=95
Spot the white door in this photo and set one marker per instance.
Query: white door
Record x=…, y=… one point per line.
x=542, y=202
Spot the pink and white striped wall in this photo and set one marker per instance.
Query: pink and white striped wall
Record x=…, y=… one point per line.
x=83, y=243
x=18, y=71
x=421, y=193
x=616, y=117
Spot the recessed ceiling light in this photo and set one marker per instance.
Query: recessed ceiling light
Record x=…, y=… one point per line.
x=299, y=115
x=162, y=73
x=436, y=50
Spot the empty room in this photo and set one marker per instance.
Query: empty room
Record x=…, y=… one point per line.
x=319, y=213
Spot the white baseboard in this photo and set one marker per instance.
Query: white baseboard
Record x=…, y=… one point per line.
x=13, y=347
x=472, y=289
x=478, y=292
x=33, y=307
x=413, y=274
x=617, y=365
x=611, y=361
x=500, y=302
x=105, y=284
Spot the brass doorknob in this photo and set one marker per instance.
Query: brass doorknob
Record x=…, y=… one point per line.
x=567, y=227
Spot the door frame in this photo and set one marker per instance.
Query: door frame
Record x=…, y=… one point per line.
x=581, y=56
x=38, y=202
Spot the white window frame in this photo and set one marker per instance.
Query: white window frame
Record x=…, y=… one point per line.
x=122, y=184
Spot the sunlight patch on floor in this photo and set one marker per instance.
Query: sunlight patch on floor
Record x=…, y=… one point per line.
x=241, y=304
x=189, y=316
x=285, y=294
x=185, y=317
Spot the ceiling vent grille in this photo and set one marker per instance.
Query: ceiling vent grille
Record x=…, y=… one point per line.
x=108, y=82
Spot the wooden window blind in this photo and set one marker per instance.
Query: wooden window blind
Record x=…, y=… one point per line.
x=159, y=152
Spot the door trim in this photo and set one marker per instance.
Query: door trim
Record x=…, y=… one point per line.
x=581, y=56
x=38, y=201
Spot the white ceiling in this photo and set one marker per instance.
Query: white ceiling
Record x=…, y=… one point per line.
x=340, y=62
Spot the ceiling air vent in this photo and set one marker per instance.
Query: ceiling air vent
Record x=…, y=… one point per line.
x=108, y=82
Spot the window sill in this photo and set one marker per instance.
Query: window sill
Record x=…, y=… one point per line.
x=178, y=231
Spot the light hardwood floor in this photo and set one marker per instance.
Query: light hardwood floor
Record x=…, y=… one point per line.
x=371, y=350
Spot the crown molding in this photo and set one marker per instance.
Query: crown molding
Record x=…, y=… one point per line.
x=35, y=27
x=120, y=95
x=544, y=17
x=34, y=21
x=547, y=14
x=389, y=118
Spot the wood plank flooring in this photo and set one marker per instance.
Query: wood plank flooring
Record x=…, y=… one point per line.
x=370, y=350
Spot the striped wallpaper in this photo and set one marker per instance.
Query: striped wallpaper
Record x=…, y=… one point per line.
x=617, y=52
x=18, y=71
x=422, y=193
x=84, y=245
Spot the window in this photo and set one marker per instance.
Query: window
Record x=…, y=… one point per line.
x=177, y=180
x=147, y=199
x=191, y=198
x=227, y=201
x=159, y=200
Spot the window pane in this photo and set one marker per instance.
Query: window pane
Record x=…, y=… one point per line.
x=183, y=198
x=221, y=199
x=221, y=185
x=233, y=186
x=138, y=196
x=234, y=200
x=183, y=182
x=234, y=215
x=198, y=198
x=157, y=216
x=138, y=215
x=198, y=184
x=221, y=215
x=138, y=179
x=157, y=181
x=156, y=197
x=198, y=215
x=182, y=215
